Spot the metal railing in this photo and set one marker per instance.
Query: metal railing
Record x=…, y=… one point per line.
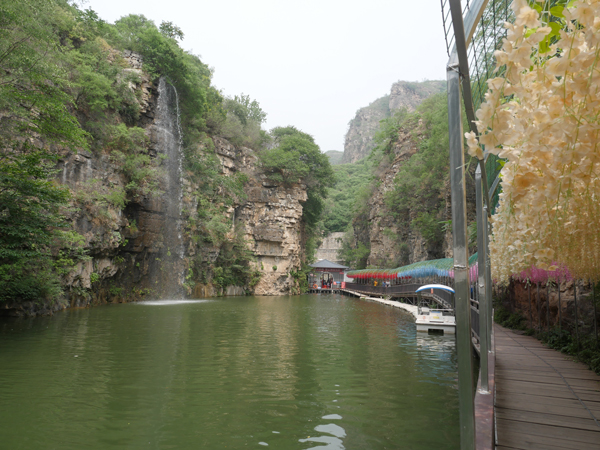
x=443, y=298
x=476, y=32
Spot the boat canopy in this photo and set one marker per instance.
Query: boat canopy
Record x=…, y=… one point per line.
x=435, y=286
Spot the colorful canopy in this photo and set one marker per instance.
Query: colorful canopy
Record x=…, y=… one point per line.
x=437, y=267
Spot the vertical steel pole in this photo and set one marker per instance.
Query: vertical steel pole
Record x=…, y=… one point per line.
x=481, y=287
x=595, y=312
x=576, y=313
x=461, y=259
x=530, y=306
x=548, y=305
x=488, y=281
x=559, y=307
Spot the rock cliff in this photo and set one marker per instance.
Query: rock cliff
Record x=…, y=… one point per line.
x=270, y=219
x=394, y=242
x=362, y=128
x=128, y=235
x=391, y=236
x=359, y=142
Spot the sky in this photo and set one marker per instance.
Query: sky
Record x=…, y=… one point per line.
x=308, y=63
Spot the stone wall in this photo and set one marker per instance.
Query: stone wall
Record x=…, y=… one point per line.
x=330, y=246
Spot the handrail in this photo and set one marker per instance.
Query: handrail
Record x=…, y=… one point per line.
x=443, y=298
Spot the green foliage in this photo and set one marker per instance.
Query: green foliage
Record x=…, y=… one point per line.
x=31, y=229
x=341, y=203
x=245, y=109
x=388, y=132
x=35, y=251
x=300, y=277
x=508, y=319
x=129, y=147
x=170, y=30
x=420, y=182
x=241, y=122
x=296, y=158
x=163, y=57
x=354, y=256
x=233, y=267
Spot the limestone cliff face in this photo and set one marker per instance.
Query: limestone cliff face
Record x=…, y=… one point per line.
x=359, y=139
x=409, y=95
x=394, y=242
x=129, y=249
x=270, y=218
x=385, y=231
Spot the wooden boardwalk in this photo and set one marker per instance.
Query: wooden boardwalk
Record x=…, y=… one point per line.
x=544, y=400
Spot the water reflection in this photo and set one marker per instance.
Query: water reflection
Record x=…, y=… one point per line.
x=439, y=345
x=170, y=302
x=288, y=372
x=333, y=442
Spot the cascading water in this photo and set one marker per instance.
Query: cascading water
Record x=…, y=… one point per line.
x=169, y=140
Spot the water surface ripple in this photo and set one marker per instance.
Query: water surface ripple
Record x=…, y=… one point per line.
x=302, y=372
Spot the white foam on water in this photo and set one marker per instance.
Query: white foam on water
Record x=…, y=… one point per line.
x=170, y=302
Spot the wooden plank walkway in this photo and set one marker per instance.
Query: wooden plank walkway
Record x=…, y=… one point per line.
x=544, y=400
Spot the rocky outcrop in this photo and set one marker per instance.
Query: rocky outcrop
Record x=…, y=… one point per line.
x=270, y=218
x=392, y=240
x=359, y=139
x=409, y=95
x=127, y=233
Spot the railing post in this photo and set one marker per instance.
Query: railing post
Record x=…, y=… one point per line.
x=460, y=254
x=481, y=270
x=488, y=283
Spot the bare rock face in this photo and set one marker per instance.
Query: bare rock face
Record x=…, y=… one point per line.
x=409, y=95
x=359, y=139
x=271, y=219
x=384, y=230
x=362, y=128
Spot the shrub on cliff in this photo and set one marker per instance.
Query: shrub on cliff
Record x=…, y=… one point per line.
x=296, y=158
x=417, y=197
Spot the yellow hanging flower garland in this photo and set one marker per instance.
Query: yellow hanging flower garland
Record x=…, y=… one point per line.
x=543, y=118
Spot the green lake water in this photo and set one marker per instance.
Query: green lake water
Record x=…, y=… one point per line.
x=297, y=372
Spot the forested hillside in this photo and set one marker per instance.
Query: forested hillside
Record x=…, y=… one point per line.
x=85, y=180
x=394, y=205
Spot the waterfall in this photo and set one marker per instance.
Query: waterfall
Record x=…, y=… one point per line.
x=169, y=139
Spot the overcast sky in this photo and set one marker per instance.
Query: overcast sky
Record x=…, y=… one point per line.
x=309, y=63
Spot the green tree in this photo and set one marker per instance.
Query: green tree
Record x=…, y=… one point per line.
x=170, y=30
x=296, y=158
x=36, y=122
x=419, y=184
